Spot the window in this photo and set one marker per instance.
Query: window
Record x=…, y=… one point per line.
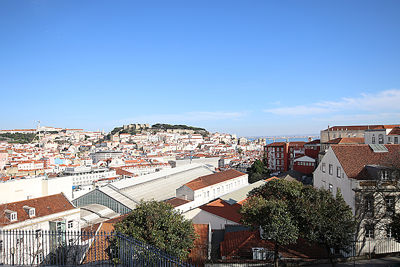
x=396, y=140
x=369, y=204
x=390, y=204
x=330, y=188
x=323, y=167
x=389, y=139
x=388, y=231
x=330, y=169
x=70, y=224
x=384, y=175
x=373, y=139
x=13, y=216
x=380, y=139
x=338, y=172
x=32, y=212
x=38, y=233
x=369, y=231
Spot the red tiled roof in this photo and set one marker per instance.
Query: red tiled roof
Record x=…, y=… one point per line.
x=297, y=143
x=223, y=209
x=362, y=127
x=199, y=252
x=354, y=158
x=314, y=142
x=175, y=202
x=43, y=206
x=212, y=179
x=240, y=244
x=395, y=131
x=347, y=140
x=277, y=144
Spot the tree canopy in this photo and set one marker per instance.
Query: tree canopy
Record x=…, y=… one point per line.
x=258, y=171
x=274, y=218
x=158, y=224
x=313, y=214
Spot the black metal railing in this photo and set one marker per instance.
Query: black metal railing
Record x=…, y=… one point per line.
x=71, y=248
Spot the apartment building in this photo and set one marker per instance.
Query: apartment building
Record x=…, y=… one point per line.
x=367, y=177
x=383, y=136
x=281, y=155
x=50, y=213
x=82, y=175
x=351, y=131
x=105, y=155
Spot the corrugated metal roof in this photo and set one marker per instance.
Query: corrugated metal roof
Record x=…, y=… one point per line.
x=118, y=196
x=154, y=176
x=165, y=186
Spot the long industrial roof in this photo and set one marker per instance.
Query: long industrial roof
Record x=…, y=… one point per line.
x=164, y=187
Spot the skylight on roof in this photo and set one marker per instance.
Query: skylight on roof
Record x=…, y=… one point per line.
x=378, y=148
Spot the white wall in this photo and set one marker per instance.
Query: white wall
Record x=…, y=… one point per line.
x=199, y=216
x=346, y=185
x=209, y=193
x=22, y=189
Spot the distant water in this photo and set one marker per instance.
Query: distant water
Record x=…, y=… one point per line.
x=270, y=140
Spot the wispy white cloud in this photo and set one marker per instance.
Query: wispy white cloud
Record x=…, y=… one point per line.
x=381, y=117
x=187, y=117
x=297, y=110
x=384, y=101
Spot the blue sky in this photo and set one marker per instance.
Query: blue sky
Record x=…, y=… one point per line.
x=246, y=67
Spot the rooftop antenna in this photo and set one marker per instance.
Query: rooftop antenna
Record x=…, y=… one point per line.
x=328, y=134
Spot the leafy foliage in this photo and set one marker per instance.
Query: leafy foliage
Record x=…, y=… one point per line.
x=273, y=217
x=158, y=224
x=313, y=214
x=116, y=130
x=23, y=138
x=182, y=127
x=258, y=171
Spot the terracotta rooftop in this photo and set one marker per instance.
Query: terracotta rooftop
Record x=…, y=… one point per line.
x=214, y=178
x=314, y=142
x=240, y=244
x=362, y=127
x=199, y=252
x=277, y=144
x=395, y=131
x=223, y=209
x=175, y=202
x=354, y=158
x=43, y=206
x=347, y=140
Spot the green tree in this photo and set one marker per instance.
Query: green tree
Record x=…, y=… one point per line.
x=319, y=217
x=326, y=220
x=158, y=224
x=257, y=171
x=275, y=220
